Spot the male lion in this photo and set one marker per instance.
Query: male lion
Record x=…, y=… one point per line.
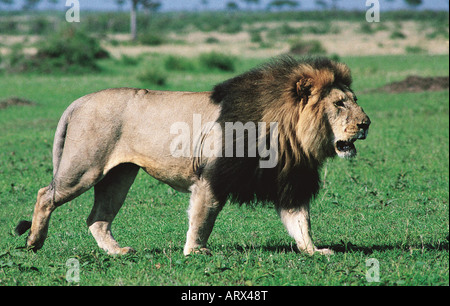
x=104, y=138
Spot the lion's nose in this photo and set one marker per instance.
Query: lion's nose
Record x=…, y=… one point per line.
x=363, y=128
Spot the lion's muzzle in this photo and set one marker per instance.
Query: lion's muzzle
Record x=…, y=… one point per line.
x=346, y=148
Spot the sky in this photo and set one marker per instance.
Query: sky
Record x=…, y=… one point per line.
x=192, y=5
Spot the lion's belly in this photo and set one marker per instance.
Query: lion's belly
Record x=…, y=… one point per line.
x=177, y=175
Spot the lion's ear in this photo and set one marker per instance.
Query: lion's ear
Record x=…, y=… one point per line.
x=304, y=86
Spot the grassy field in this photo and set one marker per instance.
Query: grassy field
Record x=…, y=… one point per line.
x=390, y=203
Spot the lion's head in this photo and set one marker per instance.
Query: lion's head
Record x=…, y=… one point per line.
x=347, y=119
x=330, y=120
x=317, y=117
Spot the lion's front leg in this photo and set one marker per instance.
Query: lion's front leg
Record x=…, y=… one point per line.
x=203, y=211
x=297, y=223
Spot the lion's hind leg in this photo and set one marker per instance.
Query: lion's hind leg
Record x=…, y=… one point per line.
x=43, y=209
x=63, y=189
x=110, y=193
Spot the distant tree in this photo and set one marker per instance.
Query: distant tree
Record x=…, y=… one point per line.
x=250, y=3
x=204, y=3
x=327, y=4
x=322, y=4
x=232, y=6
x=150, y=5
x=120, y=4
x=334, y=4
x=280, y=4
x=413, y=3
x=6, y=2
x=28, y=4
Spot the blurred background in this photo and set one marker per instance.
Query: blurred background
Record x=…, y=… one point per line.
x=196, y=5
x=250, y=28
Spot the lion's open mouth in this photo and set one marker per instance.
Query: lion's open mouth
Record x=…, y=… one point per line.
x=345, y=148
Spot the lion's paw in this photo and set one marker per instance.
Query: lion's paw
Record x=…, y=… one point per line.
x=201, y=251
x=204, y=251
x=122, y=251
x=127, y=250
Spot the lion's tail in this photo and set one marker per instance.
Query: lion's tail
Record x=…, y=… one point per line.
x=22, y=227
x=58, y=147
x=60, y=137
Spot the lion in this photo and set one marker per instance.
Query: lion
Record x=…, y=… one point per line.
x=104, y=138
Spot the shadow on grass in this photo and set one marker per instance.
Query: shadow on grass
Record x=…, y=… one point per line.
x=343, y=247
x=349, y=247
x=367, y=250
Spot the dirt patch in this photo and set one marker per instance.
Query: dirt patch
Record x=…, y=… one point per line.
x=15, y=101
x=416, y=83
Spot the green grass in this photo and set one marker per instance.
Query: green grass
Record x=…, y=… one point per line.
x=390, y=203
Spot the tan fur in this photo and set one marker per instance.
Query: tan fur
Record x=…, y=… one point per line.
x=104, y=138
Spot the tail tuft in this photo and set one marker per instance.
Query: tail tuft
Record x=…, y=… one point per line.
x=22, y=227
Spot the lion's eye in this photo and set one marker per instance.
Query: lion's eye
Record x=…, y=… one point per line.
x=339, y=103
